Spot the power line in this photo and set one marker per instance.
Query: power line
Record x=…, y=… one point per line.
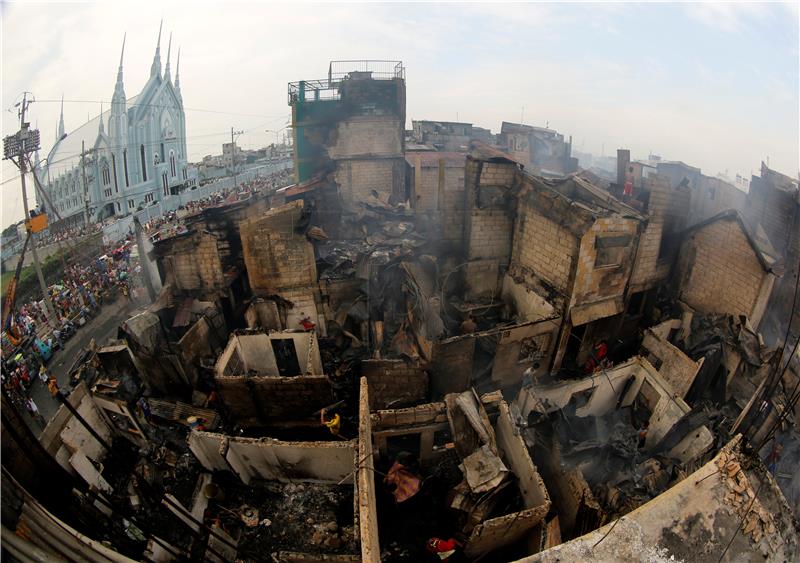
x=167, y=106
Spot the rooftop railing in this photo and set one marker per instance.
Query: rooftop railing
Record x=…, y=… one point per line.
x=338, y=72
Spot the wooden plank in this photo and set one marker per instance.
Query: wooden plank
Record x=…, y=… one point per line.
x=406, y=430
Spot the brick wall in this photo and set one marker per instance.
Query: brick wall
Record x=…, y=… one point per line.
x=253, y=401
x=452, y=206
x=370, y=135
x=357, y=178
x=489, y=224
x=394, y=382
x=668, y=209
x=278, y=258
x=490, y=235
x=543, y=247
x=719, y=272
x=194, y=264
x=497, y=173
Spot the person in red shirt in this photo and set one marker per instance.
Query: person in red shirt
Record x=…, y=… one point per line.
x=444, y=549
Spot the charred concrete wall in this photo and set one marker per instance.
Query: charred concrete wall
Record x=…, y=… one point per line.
x=713, y=195
x=489, y=221
x=667, y=208
x=203, y=339
x=261, y=400
x=273, y=354
x=394, y=382
x=620, y=387
x=500, y=531
x=194, y=265
x=604, y=266
x=773, y=203
x=358, y=136
x=274, y=460
x=540, y=149
x=719, y=272
x=280, y=260
x=678, y=369
x=437, y=186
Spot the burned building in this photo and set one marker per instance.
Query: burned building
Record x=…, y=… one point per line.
x=436, y=189
x=549, y=247
x=449, y=136
x=479, y=350
x=540, y=149
x=721, y=269
x=349, y=129
x=265, y=379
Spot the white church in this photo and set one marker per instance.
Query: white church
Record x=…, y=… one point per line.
x=138, y=152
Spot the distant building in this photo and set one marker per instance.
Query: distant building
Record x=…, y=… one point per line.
x=541, y=150
x=449, y=136
x=138, y=159
x=228, y=152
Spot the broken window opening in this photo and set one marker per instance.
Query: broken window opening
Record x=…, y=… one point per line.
x=610, y=250
x=286, y=357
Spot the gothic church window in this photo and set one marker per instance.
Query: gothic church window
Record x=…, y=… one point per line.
x=144, y=163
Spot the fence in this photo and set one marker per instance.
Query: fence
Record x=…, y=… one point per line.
x=119, y=229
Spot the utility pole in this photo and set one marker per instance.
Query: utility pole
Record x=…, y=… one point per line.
x=22, y=143
x=233, y=157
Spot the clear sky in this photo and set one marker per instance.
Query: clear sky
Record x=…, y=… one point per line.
x=714, y=85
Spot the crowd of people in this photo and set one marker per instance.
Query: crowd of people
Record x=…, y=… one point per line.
x=80, y=293
x=30, y=342
x=66, y=234
x=171, y=223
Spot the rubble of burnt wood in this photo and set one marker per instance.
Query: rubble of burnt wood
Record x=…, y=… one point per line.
x=328, y=375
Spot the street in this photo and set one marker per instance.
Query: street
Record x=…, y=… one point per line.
x=102, y=328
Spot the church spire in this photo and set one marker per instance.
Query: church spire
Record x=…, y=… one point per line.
x=178, y=71
x=61, y=119
x=121, y=56
x=119, y=89
x=155, y=69
x=169, y=50
x=102, y=127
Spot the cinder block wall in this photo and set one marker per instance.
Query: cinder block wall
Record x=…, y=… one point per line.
x=543, y=248
x=253, y=401
x=195, y=264
x=489, y=225
x=719, y=272
x=278, y=258
x=393, y=382
x=668, y=206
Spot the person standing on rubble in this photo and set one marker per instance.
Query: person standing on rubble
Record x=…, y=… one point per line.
x=469, y=326
x=334, y=424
